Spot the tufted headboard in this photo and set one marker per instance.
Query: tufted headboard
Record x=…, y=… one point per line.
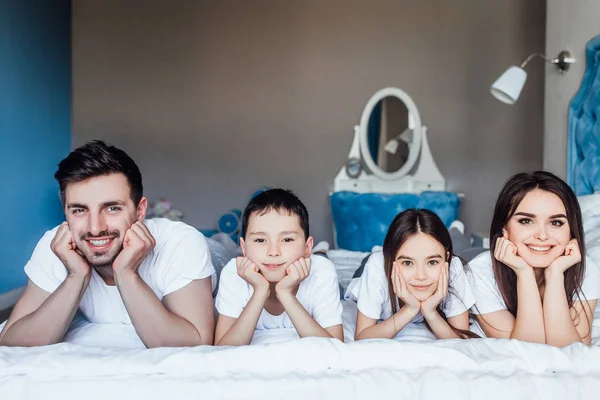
x=583, y=165
x=361, y=220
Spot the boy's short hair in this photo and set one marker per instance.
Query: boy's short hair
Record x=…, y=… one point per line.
x=278, y=200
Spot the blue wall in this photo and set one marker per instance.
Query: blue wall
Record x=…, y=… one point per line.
x=35, y=125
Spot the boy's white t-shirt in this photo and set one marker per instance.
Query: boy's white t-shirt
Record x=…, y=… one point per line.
x=488, y=296
x=371, y=291
x=318, y=293
x=180, y=256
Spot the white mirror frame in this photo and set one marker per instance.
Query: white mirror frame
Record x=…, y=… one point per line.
x=415, y=145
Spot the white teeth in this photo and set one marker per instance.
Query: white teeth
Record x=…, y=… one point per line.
x=536, y=248
x=99, y=243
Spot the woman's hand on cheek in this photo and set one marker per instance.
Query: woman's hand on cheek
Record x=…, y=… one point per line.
x=506, y=253
x=429, y=306
x=571, y=257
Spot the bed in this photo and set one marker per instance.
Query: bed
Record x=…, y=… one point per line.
x=280, y=365
x=99, y=361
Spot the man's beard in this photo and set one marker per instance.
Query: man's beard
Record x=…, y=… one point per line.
x=101, y=259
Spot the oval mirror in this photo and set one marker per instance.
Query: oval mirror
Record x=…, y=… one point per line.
x=390, y=134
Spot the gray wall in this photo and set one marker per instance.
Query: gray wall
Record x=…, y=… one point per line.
x=570, y=25
x=214, y=99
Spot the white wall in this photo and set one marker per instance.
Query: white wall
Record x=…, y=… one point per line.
x=569, y=26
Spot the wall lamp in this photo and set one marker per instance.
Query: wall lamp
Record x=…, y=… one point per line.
x=508, y=87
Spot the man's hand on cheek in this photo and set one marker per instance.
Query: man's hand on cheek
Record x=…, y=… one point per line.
x=137, y=243
x=63, y=245
x=295, y=273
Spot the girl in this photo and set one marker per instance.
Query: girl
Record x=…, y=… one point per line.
x=532, y=285
x=414, y=280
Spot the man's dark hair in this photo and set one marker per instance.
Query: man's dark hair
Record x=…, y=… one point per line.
x=278, y=200
x=95, y=159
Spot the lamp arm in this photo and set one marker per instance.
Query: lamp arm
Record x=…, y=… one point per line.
x=532, y=55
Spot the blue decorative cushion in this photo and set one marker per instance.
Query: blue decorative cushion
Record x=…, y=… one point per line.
x=583, y=146
x=361, y=220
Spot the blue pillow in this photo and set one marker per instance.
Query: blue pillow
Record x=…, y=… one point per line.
x=361, y=220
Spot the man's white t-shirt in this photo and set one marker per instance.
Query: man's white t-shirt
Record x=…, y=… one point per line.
x=180, y=256
x=488, y=296
x=371, y=292
x=318, y=293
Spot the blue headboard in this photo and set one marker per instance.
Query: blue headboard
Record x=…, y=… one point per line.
x=583, y=154
x=361, y=220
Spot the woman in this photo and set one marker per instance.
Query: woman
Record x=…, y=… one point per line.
x=535, y=283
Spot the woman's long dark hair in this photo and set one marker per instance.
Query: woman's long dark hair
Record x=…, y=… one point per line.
x=407, y=224
x=509, y=199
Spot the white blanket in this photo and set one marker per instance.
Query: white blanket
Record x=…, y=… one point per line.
x=96, y=365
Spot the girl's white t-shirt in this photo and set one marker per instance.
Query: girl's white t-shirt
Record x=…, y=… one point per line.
x=318, y=293
x=371, y=291
x=488, y=296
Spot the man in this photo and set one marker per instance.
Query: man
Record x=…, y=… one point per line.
x=106, y=260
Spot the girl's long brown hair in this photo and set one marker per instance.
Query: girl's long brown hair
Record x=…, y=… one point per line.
x=509, y=199
x=407, y=224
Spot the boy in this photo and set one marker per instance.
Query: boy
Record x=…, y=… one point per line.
x=277, y=284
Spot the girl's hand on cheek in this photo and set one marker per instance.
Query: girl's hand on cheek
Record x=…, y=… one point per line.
x=401, y=291
x=429, y=306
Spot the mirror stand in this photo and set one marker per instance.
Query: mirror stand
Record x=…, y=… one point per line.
x=354, y=178
x=362, y=172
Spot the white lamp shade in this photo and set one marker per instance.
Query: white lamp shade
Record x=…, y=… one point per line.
x=508, y=87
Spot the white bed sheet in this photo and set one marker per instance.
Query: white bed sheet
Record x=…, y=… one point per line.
x=98, y=362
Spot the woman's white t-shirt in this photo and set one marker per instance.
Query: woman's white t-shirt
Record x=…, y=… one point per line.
x=318, y=293
x=488, y=296
x=371, y=292
x=180, y=256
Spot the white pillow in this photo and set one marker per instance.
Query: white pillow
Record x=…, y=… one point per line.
x=590, y=211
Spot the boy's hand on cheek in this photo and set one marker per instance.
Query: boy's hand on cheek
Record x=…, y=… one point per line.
x=295, y=273
x=250, y=272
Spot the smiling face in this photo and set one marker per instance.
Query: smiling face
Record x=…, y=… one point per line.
x=539, y=228
x=421, y=259
x=273, y=241
x=99, y=211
